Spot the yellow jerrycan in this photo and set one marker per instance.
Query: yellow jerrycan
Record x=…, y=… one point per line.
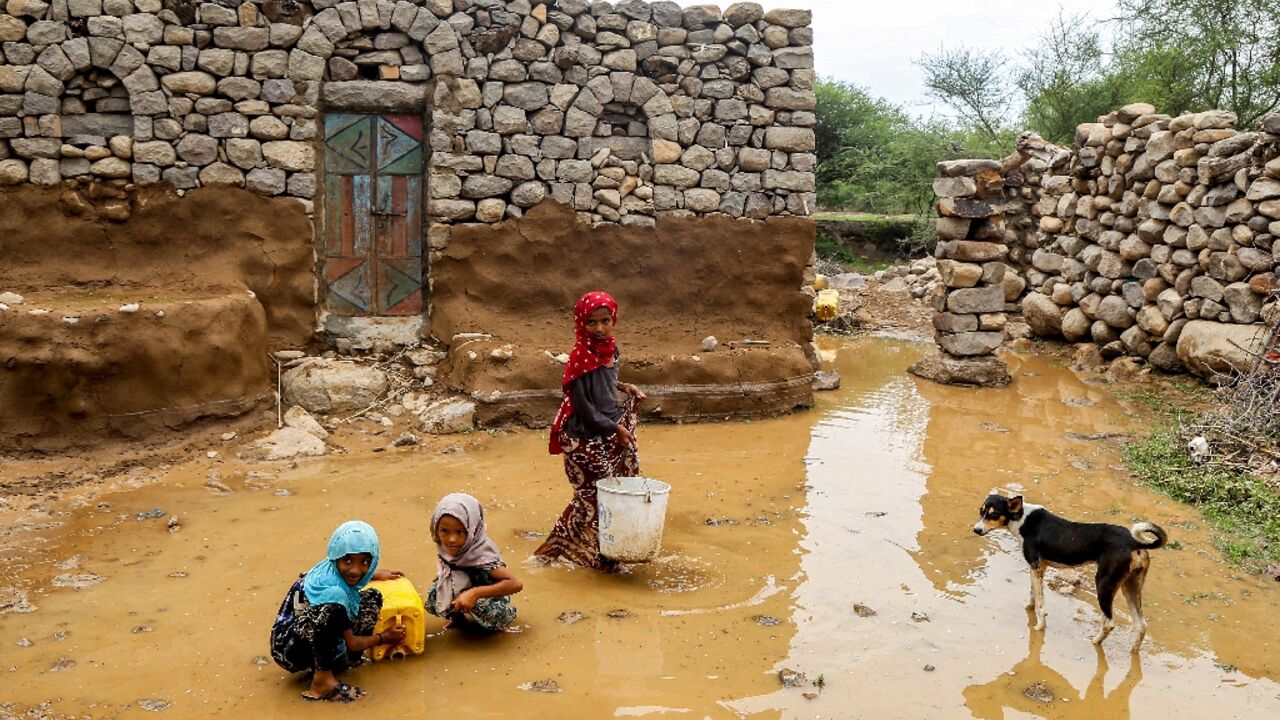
x=826, y=305
x=401, y=605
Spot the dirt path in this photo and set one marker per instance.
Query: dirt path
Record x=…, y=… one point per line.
x=783, y=536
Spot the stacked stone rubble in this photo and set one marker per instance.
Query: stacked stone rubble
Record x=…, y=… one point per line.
x=970, y=305
x=977, y=285
x=1154, y=223
x=624, y=111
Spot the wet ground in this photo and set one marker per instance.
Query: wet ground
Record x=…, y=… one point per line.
x=833, y=543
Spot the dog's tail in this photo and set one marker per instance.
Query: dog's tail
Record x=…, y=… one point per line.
x=1155, y=536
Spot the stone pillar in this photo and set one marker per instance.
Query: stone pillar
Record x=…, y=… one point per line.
x=969, y=317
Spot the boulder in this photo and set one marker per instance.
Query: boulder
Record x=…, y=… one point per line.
x=967, y=344
x=1244, y=304
x=1075, y=325
x=449, y=416
x=326, y=386
x=1215, y=350
x=297, y=417
x=1164, y=357
x=847, y=281
x=976, y=300
x=285, y=444
x=1042, y=314
x=1114, y=311
x=984, y=371
x=1087, y=356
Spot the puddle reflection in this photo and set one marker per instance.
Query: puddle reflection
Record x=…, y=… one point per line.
x=1033, y=688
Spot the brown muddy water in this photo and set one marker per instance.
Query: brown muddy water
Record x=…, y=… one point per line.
x=783, y=538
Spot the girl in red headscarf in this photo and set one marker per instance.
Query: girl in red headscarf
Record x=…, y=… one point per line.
x=593, y=430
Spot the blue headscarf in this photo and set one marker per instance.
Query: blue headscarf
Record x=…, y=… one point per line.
x=324, y=584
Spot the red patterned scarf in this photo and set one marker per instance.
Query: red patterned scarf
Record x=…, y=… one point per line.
x=589, y=353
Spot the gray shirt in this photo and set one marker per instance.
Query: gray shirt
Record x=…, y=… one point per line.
x=596, y=411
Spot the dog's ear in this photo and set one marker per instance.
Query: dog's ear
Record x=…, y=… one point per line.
x=1015, y=505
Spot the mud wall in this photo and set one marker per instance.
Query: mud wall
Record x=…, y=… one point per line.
x=1148, y=228
x=213, y=239
x=677, y=283
x=183, y=144
x=79, y=373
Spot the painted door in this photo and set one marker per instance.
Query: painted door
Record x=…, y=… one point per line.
x=373, y=214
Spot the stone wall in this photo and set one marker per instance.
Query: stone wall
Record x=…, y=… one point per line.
x=623, y=112
x=1152, y=237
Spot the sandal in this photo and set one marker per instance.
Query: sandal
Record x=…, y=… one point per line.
x=341, y=693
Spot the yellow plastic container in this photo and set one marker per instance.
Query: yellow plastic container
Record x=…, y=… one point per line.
x=826, y=305
x=820, y=282
x=401, y=605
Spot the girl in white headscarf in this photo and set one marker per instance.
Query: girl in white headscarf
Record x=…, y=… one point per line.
x=472, y=584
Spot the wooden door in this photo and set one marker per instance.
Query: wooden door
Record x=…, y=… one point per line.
x=373, y=214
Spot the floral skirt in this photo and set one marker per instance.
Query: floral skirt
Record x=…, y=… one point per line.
x=576, y=535
x=310, y=637
x=495, y=613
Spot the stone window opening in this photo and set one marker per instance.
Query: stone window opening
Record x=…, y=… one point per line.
x=623, y=120
x=386, y=55
x=97, y=91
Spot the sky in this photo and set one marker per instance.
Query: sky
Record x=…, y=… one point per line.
x=872, y=43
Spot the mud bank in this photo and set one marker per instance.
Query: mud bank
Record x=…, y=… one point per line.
x=111, y=375
x=834, y=543
x=146, y=322
x=677, y=283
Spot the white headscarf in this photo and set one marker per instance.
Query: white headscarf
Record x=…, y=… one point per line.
x=478, y=551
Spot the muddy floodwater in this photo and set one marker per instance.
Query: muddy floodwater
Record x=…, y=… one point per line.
x=834, y=543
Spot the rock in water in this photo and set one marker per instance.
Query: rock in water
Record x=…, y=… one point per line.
x=791, y=678
x=983, y=371
x=547, y=686
x=569, y=617
x=826, y=380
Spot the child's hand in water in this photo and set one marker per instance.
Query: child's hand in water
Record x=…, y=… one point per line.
x=394, y=635
x=387, y=574
x=465, y=602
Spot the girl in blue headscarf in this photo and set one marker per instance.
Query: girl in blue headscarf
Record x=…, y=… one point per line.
x=327, y=619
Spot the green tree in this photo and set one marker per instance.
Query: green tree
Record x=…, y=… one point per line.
x=1187, y=55
x=1067, y=79
x=972, y=83
x=871, y=157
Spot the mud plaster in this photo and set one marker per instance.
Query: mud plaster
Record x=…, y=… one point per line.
x=220, y=276
x=676, y=283
x=113, y=375
x=222, y=238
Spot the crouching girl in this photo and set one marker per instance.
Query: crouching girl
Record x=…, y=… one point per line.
x=327, y=619
x=472, y=583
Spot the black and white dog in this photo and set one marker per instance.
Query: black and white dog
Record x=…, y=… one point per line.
x=1046, y=539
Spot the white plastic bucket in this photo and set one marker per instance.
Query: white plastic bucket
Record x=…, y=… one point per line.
x=632, y=512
